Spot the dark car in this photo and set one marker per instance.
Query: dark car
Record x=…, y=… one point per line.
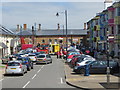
x=99, y=67
x=27, y=62
x=37, y=53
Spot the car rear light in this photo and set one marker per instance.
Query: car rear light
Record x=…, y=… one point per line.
x=6, y=66
x=20, y=65
x=44, y=59
x=77, y=64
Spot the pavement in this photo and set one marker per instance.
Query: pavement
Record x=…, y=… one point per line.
x=91, y=82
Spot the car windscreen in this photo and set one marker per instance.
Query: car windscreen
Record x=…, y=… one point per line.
x=31, y=55
x=19, y=58
x=41, y=56
x=13, y=64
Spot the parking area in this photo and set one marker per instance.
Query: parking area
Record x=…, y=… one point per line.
x=91, y=82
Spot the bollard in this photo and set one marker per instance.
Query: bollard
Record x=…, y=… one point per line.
x=86, y=70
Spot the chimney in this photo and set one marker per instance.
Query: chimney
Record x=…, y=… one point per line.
x=58, y=26
x=84, y=26
x=24, y=26
x=39, y=27
x=18, y=28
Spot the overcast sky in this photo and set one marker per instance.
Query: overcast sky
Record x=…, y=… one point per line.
x=44, y=13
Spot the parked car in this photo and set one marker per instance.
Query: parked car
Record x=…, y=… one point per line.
x=37, y=53
x=99, y=67
x=81, y=58
x=44, y=58
x=32, y=57
x=15, y=67
x=27, y=62
x=5, y=59
x=71, y=55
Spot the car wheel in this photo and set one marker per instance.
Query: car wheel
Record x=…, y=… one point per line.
x=82, y=71
x=28, y=68
x=22, y=73
x=32, y=67
x=2, y=62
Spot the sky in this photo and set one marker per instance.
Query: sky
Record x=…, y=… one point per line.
x=42, y=12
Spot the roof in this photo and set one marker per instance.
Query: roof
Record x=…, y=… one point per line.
x=5, y=31
x=52, y=32
x=3, y=45
x=24, y=32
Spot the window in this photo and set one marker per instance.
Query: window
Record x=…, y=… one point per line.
x=43, y=41
x=118, y=12
x=55, y=41
x=118, y=29
x=50, y=40
x=112, y=30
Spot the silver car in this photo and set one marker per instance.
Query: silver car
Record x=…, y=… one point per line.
x=32, y=57
x=44, y=58
x=15, y=67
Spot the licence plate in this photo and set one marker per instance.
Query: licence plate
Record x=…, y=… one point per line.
x=13, y=68
x=40, y=60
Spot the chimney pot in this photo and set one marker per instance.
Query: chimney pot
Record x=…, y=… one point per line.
x=25, y=26
x=18, y=28
x=39, y=26
x=84, y=26
x=58, y=26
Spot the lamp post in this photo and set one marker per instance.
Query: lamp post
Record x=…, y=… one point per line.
x=71, y=38
x=33, y=34
x=66, y=28
x=108, y=68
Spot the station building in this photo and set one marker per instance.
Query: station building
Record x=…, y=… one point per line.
x=52, y=36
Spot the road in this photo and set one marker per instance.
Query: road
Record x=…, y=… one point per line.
x=42, y=76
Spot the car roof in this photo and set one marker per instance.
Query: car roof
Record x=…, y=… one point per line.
x=31, y=54
x=14, y=61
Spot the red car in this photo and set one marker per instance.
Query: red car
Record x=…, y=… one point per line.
x=74, y=59
x=69, y=58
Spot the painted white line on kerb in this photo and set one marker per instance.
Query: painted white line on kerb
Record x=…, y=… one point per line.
x=34, y=76
x=61, y=80
x=26, y=84
x=1, y=80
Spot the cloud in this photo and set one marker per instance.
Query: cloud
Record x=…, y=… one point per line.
x=14, y=13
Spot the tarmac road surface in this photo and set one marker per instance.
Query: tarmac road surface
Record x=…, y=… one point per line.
x=42, y=76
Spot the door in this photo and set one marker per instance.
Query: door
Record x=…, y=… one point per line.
x=97, y=67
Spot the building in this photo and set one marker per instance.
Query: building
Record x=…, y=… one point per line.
x=51, y=36
x=104, y=30
x=8, y=43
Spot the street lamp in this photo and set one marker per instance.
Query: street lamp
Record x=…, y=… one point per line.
x=108, y=68
x=66, y=29
x=33, y=34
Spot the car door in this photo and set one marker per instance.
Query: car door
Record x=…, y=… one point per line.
x=94, y=67
x=48, y=58
x=97, y=67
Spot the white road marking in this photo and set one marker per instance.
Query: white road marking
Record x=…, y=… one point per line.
x=42, y=66
x=1, y=79
x=26, y=84
x=34, y=76
x=61, y=80
x=38, y=71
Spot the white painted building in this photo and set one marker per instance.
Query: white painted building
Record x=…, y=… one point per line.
x=8, y=42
